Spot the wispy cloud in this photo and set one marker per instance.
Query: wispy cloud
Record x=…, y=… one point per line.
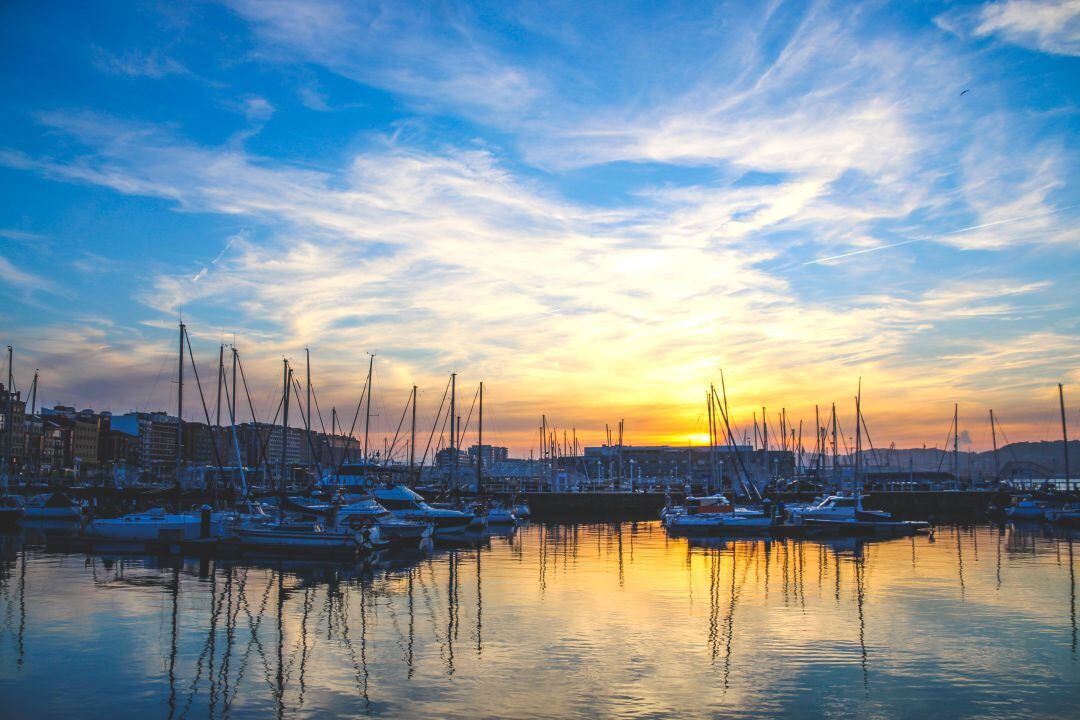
x=430, y=54
x=135, y=63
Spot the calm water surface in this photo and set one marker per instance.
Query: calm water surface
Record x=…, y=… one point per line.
x=605, y=620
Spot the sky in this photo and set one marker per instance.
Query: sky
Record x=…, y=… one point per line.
x=592, y=207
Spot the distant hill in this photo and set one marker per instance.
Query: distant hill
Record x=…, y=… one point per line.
x=1019, y=459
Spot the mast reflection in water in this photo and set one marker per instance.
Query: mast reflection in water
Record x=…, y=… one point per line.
x=552, y=620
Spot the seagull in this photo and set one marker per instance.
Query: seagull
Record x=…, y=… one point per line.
x=965, y=93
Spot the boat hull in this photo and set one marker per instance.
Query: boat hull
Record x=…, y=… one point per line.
x=145, y=531
x=52, y=513
x=718, y=525
x=299, y=542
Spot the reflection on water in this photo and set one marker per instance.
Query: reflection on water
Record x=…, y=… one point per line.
x=552, y=620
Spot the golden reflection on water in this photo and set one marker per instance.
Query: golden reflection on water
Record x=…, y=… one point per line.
x=553, y=620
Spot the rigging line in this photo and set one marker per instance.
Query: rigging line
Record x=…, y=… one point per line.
x=153, y=388
x=326, y=440
x=940, y=235
x=461, y=435
x=264, y=443
x=307, y=429
x=435, y=424
x=352, y=429
x=390, y=452
x=202, y=398
x=442, y=434
x=945, y=447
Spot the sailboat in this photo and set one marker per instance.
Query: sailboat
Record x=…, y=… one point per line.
x=842, y=515
x=52, y=506
x=302, y=536
x=154, y=525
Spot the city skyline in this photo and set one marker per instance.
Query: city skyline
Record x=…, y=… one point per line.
x=591, y=215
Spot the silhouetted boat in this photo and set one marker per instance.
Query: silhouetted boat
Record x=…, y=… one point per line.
x=54, y=506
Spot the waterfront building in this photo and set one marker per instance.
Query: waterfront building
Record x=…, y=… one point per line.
x=13, y=440
x=490, y=454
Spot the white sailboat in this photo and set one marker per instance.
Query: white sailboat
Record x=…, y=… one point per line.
x=154, y=525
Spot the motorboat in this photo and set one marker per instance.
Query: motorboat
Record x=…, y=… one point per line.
x=368, y=510
x=501, y=516
x=1067, y=515
x=305, y=537
x=715, y=503
x=1026, y=510
x=836, y=507
x=404, y=504
x=51, y=506
x=494, y=514
x=151, y=526
x=843, y=515
x=714, y=523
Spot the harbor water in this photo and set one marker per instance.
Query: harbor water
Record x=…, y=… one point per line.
x=552, y=620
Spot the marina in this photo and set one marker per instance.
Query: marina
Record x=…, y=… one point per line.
x=478, y=360
x=980, y=618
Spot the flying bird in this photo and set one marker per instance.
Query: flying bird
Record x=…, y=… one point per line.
x=965, y=93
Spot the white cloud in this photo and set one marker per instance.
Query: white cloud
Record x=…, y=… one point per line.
x=1052, y=26
x=1049, y=26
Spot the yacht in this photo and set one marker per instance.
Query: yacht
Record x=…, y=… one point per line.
x=304, y=537
x=712, y=514
x=366, y=511
x=1026, y=510
x=842, y=515
x=836, y=507
x=715, y=503
x=405, y=504
x=735, y=521
x=1068, y=515
x=151, y=526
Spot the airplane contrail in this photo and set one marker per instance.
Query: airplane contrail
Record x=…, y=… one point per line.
x=931, y=237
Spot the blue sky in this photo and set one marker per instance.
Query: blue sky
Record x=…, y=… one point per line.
x=591, y=206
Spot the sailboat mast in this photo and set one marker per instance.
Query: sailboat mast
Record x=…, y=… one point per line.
x=9, y=420
x=453, y=429
x=817, y=443
x=993, y=437
x=765, y=441
x=367, y=412
x=480, y=442
x=180, y=405
x=956, y=444
x=835, y=455
x=412, y=436
x=232, y=398
x=858, y=437
x=1064, y=435
x=220, y=377
x=307, y=385
x=712, y=439
x=285, y=393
